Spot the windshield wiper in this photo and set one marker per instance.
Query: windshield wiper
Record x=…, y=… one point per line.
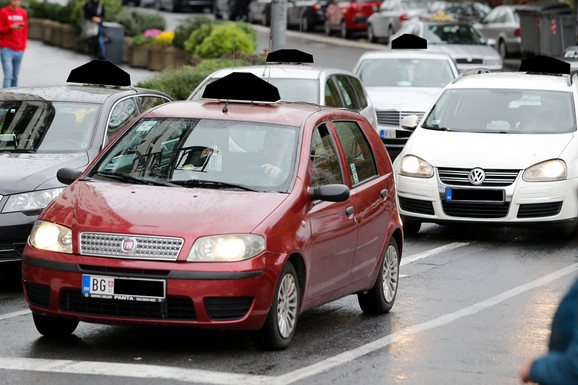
x=437, y=128
x=130, y=178
x=211, y=183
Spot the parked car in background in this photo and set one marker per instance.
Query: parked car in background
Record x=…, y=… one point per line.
x=45, y=128
x=401, y=83
x=240, y=213
x=230, y=9
x=502, y=25
x=178, y=5
x=259, y=11
x=305, y=83
x=390, y=15
x=465, y=44
x=571, y=56
x=464, y=11
x=306, y=15
x=349, y=16
x=495, y=148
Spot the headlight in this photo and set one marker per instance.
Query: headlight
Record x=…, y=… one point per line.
x=226, y=248
x=415, y=167
x=548, y=171
x=35, y=200
x=52, y=237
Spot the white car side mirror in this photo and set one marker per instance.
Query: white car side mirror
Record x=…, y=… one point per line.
x=410, y=122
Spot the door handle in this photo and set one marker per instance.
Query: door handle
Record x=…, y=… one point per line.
x=349, y=211
x=384, y=193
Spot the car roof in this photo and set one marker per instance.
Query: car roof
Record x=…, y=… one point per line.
x=406, y=53
x=517, y=80
x=74, y=93
x=285, y=113
x=282, y=71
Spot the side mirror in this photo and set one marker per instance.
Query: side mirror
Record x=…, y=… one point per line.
x=330, y=193
x=68, y=175
x=492, y=42
x=410, y=122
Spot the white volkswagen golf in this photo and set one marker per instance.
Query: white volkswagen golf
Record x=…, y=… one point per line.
x=496, y=148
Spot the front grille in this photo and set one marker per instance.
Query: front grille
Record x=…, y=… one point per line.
x=539, y=210
x=394, y=117
x=174, y=308
x=11, y=251
x=145, y=247
x=416, y=206
x=469, y=61
x=494, y=177
x=38, y=295
x=227, y=308
x=475, y=210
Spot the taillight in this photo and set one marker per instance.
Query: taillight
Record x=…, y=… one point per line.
x=404, y=17
x=517, y=32
x=316, y=7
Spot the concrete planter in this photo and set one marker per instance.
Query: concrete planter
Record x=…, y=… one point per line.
x=35, y=28
x=70, y=38
x=126, y=49
x=139, y=55
x=156, y=57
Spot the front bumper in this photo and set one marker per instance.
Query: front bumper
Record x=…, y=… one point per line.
x=431, y=200
x=14, y=231
x=236, y=297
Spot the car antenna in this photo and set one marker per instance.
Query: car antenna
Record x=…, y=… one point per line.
x=226, y=107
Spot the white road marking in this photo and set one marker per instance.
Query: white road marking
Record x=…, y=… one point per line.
x=210, y=377
x=429, y=253
x=14, y=314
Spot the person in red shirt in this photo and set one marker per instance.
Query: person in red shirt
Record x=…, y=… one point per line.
x=13, y=39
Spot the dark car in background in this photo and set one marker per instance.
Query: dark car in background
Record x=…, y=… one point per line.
x=45, y=128
x=306, y=15
x=230, y=9
x=259, y=12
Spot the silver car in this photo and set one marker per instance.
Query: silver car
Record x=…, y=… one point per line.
x=305, y=83
x=465, y=44
x=402, y=83
x=391, y=15
x=502, y=25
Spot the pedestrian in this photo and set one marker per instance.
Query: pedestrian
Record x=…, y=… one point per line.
x=93, y=30
x=13, y=39
x=560, y=365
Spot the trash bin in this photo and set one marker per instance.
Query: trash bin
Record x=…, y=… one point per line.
x=114, y=34
x=546, y=28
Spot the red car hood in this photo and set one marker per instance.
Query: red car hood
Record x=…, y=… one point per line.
x=163, y=211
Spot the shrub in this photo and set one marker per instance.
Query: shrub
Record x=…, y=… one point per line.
x=197, y=37
x=183, y=31
x=225, y=38
x=136, y=22
x=50, y=11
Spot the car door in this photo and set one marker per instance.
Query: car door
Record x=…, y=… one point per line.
x=333, y=230
x=370, y=194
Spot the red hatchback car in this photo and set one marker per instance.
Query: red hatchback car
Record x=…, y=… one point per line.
x=220, y=214
x=347, y=16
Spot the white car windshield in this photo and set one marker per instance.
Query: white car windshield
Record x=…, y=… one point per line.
x=203, y=153
x=405, y=72
x=453, y=34
x=503, y=111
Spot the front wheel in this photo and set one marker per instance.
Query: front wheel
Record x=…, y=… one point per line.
x=503, y=49
x=380, y=298
x=54, y=327
x=279, y=327
x=344, y=31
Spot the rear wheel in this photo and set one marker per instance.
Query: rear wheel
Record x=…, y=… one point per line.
x=279, y=327
x=327, y=28
x=344, y=32
x=54, y=327
x=502, y=49
x=380, y=298
x=370, y=35
x=410, y=226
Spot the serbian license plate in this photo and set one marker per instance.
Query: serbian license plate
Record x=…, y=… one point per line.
x=124, y=289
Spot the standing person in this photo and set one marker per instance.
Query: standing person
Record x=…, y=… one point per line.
x=13, y=39
x=94, y=12
x=560, y=365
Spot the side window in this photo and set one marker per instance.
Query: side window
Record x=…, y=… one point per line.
x=324, y=166
x=358, y=89
x=360, y=159
x=122, y=113
x=150, y=101
x=332, y=98
x=347, y=92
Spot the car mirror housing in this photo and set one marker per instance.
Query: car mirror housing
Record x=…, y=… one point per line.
x=330, y=192
x=491, y=42
x=410, y=122
x=68, y=175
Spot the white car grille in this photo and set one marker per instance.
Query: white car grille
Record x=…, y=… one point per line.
x=130, y=246
x=459, y=176
x=394, y=117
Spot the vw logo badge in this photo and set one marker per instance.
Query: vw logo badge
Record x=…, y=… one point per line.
x=477, y=176
x=128, y=245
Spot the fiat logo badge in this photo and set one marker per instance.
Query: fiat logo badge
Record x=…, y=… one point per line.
x=128, y=245
x=477, y=176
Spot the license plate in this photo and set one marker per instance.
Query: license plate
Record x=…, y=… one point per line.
x=124, y=289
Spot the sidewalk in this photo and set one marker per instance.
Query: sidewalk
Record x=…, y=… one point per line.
x=44, y=64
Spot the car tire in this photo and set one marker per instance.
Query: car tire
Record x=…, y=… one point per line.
x=503, y=49
x=410, y=226
x=327, y=28
x=380, y=298
x=279, y=327
x=305, y=24
x=344, y=33
x=370, y=35
x=54, y=327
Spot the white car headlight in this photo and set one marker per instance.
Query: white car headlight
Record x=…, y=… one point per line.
x=548, y=171
x=226, y=248
x=415, y=167
x=52, y=237
x=35, y=200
